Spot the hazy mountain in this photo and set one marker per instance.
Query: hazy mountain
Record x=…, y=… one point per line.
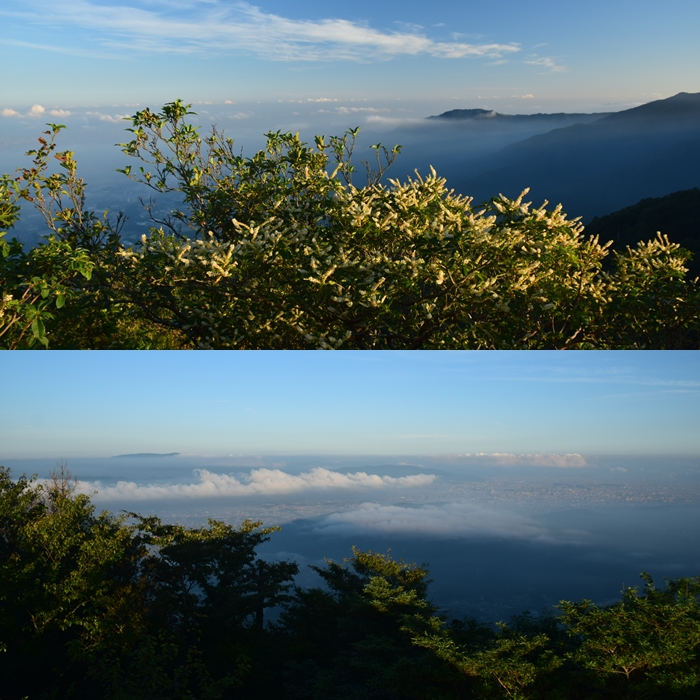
x=677, y=215
x=492, y=117
x=598, y=167
x=447, y=141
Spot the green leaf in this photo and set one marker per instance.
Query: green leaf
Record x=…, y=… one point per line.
x=38, y=328
x=60, y=301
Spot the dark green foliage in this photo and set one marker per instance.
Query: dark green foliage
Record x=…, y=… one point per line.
x=676, y=215
x=347, y=641
x=68, y=587
x=646, y=645
x=93, y=606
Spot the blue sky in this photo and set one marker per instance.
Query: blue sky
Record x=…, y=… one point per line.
x=543, y=55
x=74, y=404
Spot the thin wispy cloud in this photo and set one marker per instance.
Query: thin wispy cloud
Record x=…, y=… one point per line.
x=67, y=50
x=206, y=26
x=260, y=482
x=651, y=394
x=549, y=63
x=565, y=373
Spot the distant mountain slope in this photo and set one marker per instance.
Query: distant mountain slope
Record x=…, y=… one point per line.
x=596, y=168
x=677, y=110
x=490, y=115
x=677, y=215
x=449, y=140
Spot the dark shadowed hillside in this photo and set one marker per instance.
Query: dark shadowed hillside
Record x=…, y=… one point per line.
x=595, y=168
x=677, y=215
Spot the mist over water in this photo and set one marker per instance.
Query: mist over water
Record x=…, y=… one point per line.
x=573, y=553
x=500, y=533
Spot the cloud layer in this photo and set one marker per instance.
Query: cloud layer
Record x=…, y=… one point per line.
x=260, y=482
x=203, y=26
x=510, y=459
x=455, y=519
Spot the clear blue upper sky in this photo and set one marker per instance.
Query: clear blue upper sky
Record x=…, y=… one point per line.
x=507, y=53
x=76, y=404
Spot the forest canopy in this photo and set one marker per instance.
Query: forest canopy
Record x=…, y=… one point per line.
x=283, y=250
x=94, y=605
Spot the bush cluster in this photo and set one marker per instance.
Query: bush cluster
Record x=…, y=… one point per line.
x=282, y=250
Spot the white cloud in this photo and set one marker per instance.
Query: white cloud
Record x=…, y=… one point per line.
x=353, y=110
x=456, y=519
x=59, y=113
x=111, y=118
x=33, y=112
x=203, y=26
x=114, y=118
x=260, y=482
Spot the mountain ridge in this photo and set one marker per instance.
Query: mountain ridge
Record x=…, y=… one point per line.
x=596, y=168
x=457, y=115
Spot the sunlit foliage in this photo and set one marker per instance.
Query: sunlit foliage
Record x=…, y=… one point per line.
x=282, y=250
